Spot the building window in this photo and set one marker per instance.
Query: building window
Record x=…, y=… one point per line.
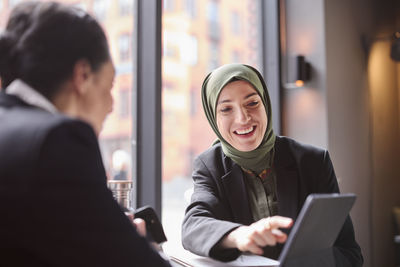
x=188, y=50
x=12, y=3
x=82, y=6
x=123, y=108
x=213, y=62
x=190, y=8
x=170, y=50
x=124, y=42
x=125, y=7
x=193, y=102
x=100, y=9
x=212, y=11
x=213, y=20
x=169, y=5
x=235, y=23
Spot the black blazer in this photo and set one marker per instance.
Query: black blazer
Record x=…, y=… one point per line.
x=220, y=203
x=56, y=209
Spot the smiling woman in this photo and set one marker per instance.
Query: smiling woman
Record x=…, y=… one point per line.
x=250, y=185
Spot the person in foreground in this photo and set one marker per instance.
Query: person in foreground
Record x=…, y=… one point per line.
x=250, y=185
x=57, y=75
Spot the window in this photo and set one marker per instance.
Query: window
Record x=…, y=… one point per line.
x=235, y=23
x=124, y=47
x=188, y=50
x=81, y=5
x=170, y=50
x=212, y=11
x=12, y=3
x=168, y=5
x=125, y=7
x=185, y=130
x=100, y=9
x=123, y=105
x=193, y=103
x=213, y=62
x=213, y=20
x=190, y=8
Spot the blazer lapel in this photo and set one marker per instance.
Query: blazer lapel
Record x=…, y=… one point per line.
x=287, y=182
x=236, y=191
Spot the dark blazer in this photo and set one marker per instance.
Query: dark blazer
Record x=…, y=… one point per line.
x=56, y=209
x=220, y=203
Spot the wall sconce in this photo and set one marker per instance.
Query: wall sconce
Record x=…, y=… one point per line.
x=302, y=73
x=395, y=49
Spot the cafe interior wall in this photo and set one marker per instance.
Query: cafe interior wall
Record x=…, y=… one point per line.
x=350, y=106
x=383, y=77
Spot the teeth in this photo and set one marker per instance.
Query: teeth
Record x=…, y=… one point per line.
x=245, y=131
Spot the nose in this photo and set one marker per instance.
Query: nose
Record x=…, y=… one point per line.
x=242, y=116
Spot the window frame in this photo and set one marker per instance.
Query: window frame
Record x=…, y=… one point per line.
x=147, y=129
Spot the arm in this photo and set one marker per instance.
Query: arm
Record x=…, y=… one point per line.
x=346, y=250
x=208, y=229
x=206, y=219
x=76, y=219
x=254, y=237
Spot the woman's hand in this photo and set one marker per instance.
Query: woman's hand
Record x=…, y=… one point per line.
x=138, y=223
x=140, y=226
x=254, y=237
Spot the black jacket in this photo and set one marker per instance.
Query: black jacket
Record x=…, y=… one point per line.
x=56, y=209
x=220, y=203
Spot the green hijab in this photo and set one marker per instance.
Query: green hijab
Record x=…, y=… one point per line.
x=261, y=157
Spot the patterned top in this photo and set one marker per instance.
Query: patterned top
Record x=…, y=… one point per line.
x=261, y=190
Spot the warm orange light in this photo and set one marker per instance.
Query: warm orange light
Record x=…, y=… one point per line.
x=299, y=83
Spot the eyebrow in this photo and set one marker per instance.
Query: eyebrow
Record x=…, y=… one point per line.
x=228, y=100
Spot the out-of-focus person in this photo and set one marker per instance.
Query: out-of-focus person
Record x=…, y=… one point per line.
x=57, y=77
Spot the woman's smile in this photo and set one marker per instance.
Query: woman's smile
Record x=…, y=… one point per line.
x=245, y=132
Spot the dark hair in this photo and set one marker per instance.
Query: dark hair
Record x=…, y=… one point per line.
x=43, y=41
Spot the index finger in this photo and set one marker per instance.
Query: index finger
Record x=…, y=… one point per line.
x=280, y=222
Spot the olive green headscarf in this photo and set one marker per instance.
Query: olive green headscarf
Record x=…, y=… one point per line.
x=261, y=157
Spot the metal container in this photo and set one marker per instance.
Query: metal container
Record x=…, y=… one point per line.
x=122, y=192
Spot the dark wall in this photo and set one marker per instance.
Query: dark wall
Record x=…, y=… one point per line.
x=351, y=106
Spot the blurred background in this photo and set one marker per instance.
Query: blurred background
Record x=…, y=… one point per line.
x=330, y=65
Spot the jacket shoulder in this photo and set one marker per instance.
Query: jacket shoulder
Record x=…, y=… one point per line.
x=297, y=148
x=214, y=160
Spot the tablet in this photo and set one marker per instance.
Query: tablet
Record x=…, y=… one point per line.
x=317, y=226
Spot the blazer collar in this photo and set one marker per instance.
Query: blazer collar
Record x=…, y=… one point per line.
x=287, y=180
x=236, y=191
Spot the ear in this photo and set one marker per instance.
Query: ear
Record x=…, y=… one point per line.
x=81, y=75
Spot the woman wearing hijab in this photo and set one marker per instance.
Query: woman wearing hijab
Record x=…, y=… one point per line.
x=251, y=183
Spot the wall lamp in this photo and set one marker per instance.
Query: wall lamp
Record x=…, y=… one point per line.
x=395, y=46
x=301, y=71
x=395, y=49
